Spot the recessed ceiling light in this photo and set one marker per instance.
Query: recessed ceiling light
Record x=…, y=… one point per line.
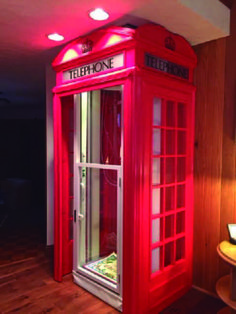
x=99, y=14
x=55, y=37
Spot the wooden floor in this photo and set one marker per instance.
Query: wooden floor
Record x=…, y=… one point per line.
x=26, y=276
x=27, y=285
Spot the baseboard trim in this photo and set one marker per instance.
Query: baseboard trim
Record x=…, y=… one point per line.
x=214, y=295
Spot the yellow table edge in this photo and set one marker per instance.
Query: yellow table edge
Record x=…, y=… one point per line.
x=227, y=251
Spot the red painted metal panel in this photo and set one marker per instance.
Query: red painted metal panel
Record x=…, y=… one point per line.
x=62, y=243
x=57, y=199
x=66, y=184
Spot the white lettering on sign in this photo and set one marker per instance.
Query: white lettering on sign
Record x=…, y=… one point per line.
x=95, y=67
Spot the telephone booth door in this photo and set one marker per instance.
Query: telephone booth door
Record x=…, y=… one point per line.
x=98, y=192
x=91, y=177
x=171, y=193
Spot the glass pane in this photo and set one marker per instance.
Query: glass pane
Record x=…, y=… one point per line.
x=83, y=127
x=169, y=250
x=180, y=196
x=156, y=142
x=170, y=170
x=156, y=177
x=169, y=226
x=170, y=142
x=155, y=260
x=98, y=206
x=170, y=198
x=181, y=115
x=181, y=142
x=156, y=201
x=181, y=169
x=170, y=113
x=100, y=116
x=155, y=230
x=156, y=111
x=180, y=249
x=180, y=222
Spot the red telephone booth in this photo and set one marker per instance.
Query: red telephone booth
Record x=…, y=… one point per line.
x=123, y=123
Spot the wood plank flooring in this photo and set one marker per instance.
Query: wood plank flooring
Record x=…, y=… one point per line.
x=27, y=284
x=26, y=278
x=28, y=287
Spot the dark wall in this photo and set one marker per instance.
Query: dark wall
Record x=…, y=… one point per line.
x=23, y=165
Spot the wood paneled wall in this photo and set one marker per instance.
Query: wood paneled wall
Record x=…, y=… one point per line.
x=214, y=166
x=208, y=160
x=228, y=187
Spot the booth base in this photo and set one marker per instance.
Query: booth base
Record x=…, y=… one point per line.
x=99, y=291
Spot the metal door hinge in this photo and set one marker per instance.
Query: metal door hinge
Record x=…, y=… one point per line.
x=74, y=215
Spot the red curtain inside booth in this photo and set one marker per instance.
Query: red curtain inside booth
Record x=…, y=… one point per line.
x=110, y=139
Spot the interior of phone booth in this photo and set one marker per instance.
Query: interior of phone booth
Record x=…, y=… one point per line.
x=101, y=109
x=123, y=131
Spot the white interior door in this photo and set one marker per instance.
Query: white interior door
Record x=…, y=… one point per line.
x=98, y=187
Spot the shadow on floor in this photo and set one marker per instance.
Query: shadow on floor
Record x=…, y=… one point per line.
x=195, y=302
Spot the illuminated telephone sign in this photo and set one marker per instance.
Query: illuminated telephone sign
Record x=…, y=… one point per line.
x=99, y=66
x=159, y=64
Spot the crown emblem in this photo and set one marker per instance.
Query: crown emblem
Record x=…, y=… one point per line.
x=170, y=43
x=87, y=46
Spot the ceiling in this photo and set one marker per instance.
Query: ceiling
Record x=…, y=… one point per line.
x=25, y=49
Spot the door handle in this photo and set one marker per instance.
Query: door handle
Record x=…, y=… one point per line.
x=82, y=198
x=82, y=191
x=80, y=216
